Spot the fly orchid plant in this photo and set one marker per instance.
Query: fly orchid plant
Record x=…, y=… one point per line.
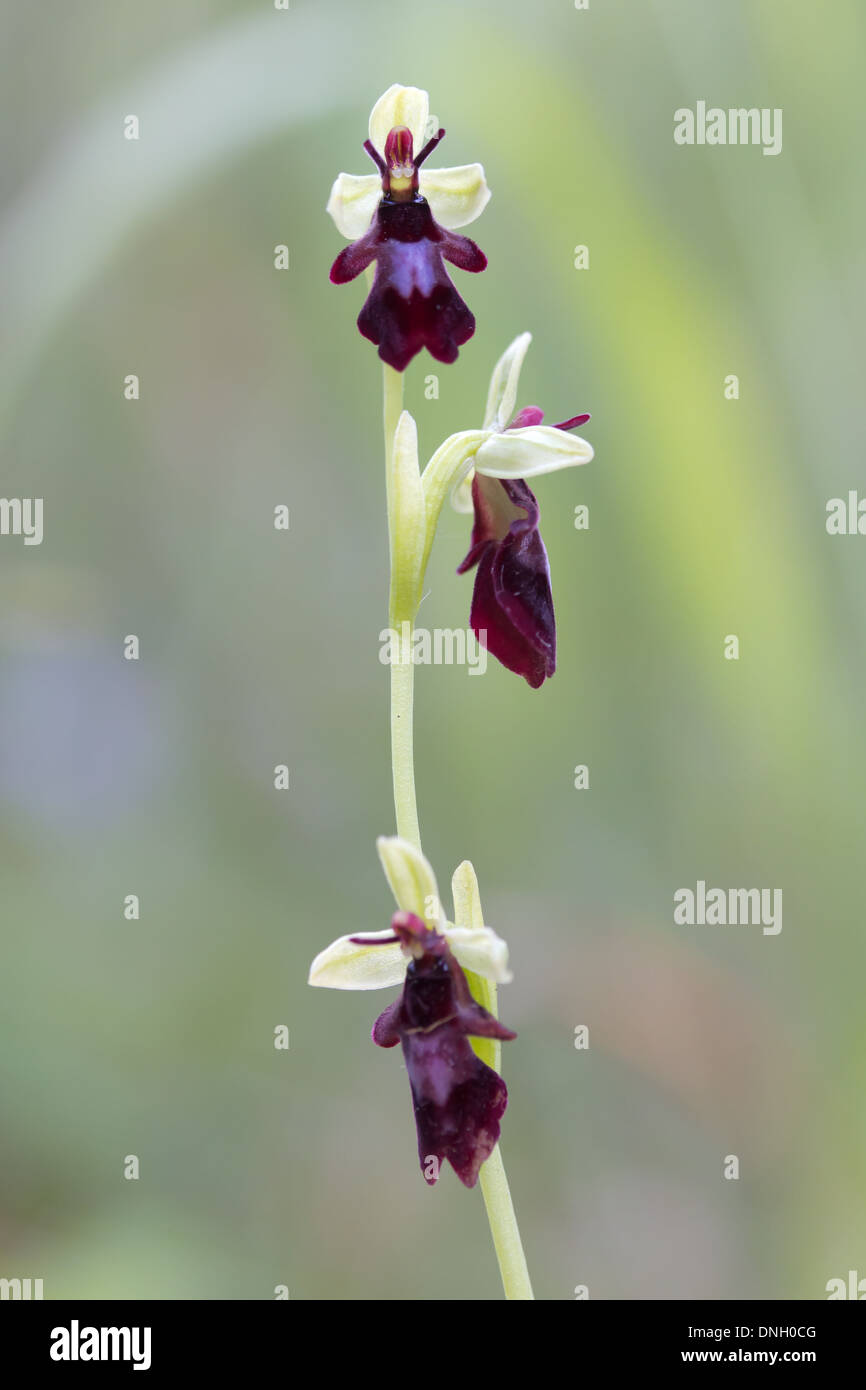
x=403, y=220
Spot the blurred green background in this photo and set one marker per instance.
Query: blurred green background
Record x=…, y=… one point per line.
x=155, y=1037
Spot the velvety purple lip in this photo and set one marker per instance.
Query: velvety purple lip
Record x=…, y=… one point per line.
x=512, y=601
x=458, y=1100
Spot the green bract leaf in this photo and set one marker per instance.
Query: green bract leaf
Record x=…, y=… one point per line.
x=407, y=518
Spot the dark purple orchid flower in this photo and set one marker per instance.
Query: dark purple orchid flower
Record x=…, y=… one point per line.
x=458, y=1100
x=512, y=604
x=413, y=303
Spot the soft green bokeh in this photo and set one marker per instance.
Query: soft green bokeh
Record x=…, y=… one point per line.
x=261, y=1167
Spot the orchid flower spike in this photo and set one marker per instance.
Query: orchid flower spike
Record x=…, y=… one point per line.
x=458, y=1100
x=403, y=218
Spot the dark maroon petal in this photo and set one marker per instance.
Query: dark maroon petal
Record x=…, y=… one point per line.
x=462, y=252
x=458, y=1100
x=476, y=1022
x=386, y=1029
x=355, y=258
x=429, y=147
x=532, y=415
x=377, y=160
x=473, y=554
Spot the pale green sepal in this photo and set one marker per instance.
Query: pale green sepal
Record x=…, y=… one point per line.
x=502, y=394
x=467, y=909
x=411, y=879
x=408, y=106
x=347, y=965
x=467, y=899
x=480, y=950
x=524, y=453
x=353, y=201
x=456, y=196
x=476, y=946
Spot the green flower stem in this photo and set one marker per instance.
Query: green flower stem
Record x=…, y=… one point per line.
x=402, y=672
x=503, y=1228
x=403, y=606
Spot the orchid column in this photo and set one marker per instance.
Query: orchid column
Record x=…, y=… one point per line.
x=403, y=220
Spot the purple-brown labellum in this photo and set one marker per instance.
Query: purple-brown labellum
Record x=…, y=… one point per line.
x=512, y=603
x=413, y=303
x=458, y=1100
